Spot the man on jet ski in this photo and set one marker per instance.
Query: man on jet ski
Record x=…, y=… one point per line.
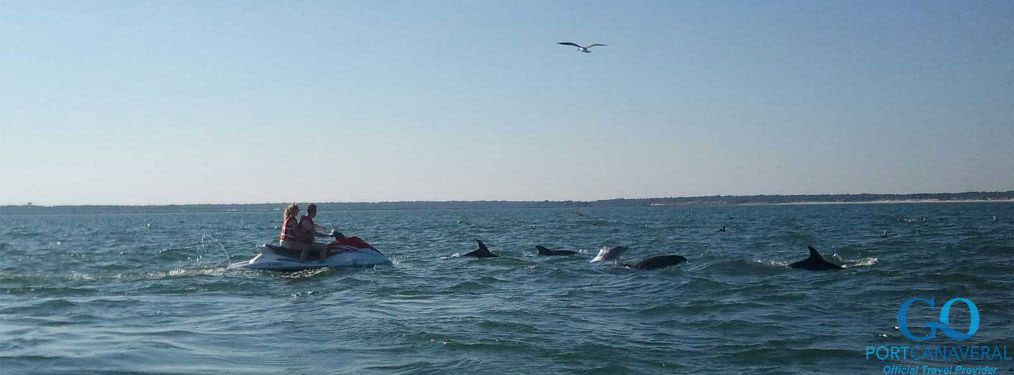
x=307, y=231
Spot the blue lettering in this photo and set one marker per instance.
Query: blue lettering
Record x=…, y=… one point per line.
x=945, y=315
x=953, y=353
x=884, y=356
x=903, y=320
x=914, y=349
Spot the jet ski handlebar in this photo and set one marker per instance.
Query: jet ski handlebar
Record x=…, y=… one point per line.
x=332, y=233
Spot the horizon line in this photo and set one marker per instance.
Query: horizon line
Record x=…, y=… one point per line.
x=31, y=204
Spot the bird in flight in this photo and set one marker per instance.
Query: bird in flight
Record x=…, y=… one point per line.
x=582, y=49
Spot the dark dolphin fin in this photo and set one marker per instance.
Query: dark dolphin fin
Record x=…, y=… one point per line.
x=543, y=250
x=482, y=252
x=814, y=254
x=815, y=262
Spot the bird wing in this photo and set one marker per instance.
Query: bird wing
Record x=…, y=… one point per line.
x=596, y=45
x=569, y=44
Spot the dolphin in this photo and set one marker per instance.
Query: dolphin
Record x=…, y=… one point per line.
x=650, y=263
x=609, y=254
x=656, y=262
x=482, y=252
x=547, y=252
x=815, y=262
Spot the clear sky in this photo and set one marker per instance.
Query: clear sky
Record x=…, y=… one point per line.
x=136, y=102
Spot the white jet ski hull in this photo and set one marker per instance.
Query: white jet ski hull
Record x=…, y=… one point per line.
x=275, y=258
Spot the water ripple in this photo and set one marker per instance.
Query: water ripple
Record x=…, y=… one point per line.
x=118, y=291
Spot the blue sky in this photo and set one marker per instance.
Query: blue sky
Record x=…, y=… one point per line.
x=138, y=102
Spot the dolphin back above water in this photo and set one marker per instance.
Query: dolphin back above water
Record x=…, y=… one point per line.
x=815, y=262
x=650, y=263
x=611, y=253
x=543, y=251
x=482, y=252
x=656, y=262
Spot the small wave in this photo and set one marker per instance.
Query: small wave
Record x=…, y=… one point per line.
x=410, y=367
x=81, y=276
x=309, y=294
x=594, y=223
x=494, y=345
x=303, y=274
x=489, y=280
x=742, y=267
x=662, y=310
x=185, y=272
x=968, y=280
x=775, y=263
x=467, y=287
x=864, y=262
x=609, y=369
x=395, y=261
x=789, y=355
x=697, y=307
x=178, y=254
x=507, y=326
x=995, y=249
x=48, y=306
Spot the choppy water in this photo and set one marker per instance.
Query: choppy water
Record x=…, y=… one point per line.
x=148, y=292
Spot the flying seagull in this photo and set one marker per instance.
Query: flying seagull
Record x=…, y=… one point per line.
x=582, y=49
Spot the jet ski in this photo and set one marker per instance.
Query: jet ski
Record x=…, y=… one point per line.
x=341, y=254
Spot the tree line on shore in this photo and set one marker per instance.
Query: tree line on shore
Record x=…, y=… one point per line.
x=715, y=200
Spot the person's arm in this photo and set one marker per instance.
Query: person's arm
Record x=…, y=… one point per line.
x=312, y=230
x=305, y=230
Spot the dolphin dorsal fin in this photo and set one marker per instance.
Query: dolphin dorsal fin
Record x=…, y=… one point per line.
x=814, y=253
x=542, y=249
x=482, y=246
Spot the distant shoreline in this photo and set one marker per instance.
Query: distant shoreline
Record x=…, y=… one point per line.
x=714, y=200
x=911, y=201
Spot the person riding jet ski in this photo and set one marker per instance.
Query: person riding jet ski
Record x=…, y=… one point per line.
x=289, y=236
x=301, y=236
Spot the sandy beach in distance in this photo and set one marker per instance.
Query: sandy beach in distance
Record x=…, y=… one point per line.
x=920, y=201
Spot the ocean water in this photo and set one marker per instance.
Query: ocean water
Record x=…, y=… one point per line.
x=149, y=293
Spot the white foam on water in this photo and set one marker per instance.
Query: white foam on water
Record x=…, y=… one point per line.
x=864, y=262
x=601, y=255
